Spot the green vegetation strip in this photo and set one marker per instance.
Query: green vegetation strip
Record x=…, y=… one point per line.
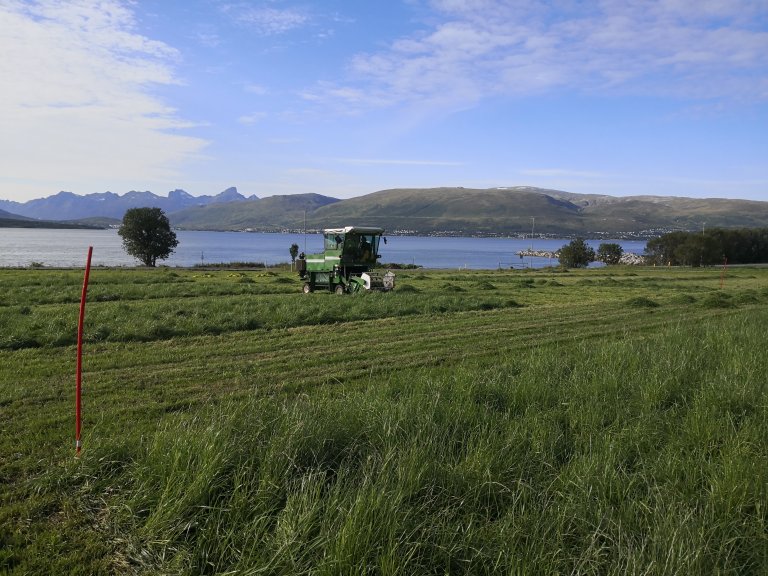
x=607, y=421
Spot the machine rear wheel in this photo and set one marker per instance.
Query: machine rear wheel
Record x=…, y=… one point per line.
x=339, y=289
x=307, y=288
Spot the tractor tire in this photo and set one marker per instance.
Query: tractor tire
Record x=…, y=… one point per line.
x=307, y=288
x=340, y=289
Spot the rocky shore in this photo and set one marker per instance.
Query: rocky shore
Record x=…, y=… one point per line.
x=627, y=258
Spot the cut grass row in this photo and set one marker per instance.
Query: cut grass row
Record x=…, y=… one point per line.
x=154, y=311
x=36, y=287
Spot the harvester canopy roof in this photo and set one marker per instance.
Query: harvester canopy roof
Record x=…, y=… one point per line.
x=357, y=229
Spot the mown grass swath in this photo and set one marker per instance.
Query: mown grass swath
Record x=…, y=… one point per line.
x=605, y=421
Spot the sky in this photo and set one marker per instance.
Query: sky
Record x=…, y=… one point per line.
x=348, y=97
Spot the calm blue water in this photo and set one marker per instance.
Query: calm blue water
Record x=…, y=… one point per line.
x=69, y=248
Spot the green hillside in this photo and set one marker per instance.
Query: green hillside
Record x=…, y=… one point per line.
x=510, y=210
x=469, y=211
x=607, y=213
x=453, y=209
x=271, y=213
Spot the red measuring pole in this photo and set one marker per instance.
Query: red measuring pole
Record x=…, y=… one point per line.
x=79, y=373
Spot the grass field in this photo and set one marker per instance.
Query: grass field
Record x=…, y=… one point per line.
x=607, y=421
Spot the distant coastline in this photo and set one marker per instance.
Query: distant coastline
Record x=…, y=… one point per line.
x=67, y=248
x=47, y=224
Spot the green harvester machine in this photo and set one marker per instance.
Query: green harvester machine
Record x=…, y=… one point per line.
x=347, y=263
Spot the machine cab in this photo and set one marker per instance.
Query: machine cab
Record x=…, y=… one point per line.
x=353, y=245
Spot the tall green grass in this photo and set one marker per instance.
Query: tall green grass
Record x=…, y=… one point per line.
x=513, y=422
x=627, y=457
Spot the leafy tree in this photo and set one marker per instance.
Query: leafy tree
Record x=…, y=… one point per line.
x=576, y=254
x=698, y=250
x=294, y=251
x=147, y=235
x=661, y=250
x=610, y=253
x=738, y=246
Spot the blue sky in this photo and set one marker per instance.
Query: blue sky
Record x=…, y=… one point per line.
x=347, y=97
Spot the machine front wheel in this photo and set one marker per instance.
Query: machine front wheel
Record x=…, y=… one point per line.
x=339, y=289
x=307, y=288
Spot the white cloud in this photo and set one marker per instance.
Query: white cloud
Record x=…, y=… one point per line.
x=266, y=19
x=477, y=48
x=285, y=140
x=76, y=101
x=564, y=172
x=388, y=161
x=208, y=39
x=252, y=118
x=256, y=89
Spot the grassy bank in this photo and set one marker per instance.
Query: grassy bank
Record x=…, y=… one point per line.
x=606, y=422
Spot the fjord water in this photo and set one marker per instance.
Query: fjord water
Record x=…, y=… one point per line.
x=22, y=247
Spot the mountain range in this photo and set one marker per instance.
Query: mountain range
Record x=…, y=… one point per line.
x=440, y=211
x=70, y=206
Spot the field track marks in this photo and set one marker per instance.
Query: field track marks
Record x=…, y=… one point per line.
x=341, y=351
